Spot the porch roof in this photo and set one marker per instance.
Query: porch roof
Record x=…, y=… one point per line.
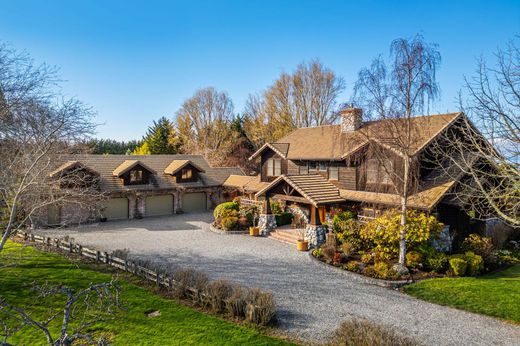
x=314, y=188
x=425, y=200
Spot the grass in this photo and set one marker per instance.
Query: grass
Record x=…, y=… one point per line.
x=176, y=325
x=495, y=294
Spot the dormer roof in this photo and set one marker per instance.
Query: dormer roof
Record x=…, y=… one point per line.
x=177, y=165
x=127, y=165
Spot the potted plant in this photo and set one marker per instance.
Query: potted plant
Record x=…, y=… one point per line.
x=254, y=230
x=301, y=243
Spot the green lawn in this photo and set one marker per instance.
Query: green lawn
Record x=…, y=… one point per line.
x=176, y=325
x=496, y=294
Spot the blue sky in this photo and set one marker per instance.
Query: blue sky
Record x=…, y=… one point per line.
x=134, y=61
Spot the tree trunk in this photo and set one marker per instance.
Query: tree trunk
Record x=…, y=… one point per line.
x=404, y=208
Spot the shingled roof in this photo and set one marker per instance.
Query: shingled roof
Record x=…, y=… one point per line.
x=248, y=184
x=315, y=188
x=106, y=164
x=176, y=165
x=329, y=143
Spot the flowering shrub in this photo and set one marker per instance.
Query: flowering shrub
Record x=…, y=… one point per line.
x=353, y=266
x=337, y=258
x=437, y=262
x=366, y=258
x=384, y=231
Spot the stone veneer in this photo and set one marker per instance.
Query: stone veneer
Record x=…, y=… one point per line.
x=315, y=235
x=266, y=223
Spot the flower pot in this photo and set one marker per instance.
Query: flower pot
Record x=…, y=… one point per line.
x=302, y=245
x=254, y=231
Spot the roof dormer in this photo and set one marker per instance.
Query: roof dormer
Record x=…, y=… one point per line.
x=183, y=171
x=134, y=172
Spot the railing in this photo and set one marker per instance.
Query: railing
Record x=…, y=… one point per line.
x=250, y=202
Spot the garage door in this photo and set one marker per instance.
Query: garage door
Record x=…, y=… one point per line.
x=193, y=202
x=116, y=208
x=159, y=205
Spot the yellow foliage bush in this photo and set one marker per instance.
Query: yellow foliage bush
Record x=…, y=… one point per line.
x=384, y=231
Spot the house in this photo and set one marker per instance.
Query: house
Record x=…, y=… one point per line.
x=318, y=170
x=139, y=186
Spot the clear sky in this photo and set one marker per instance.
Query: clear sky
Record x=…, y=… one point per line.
x=134, y=61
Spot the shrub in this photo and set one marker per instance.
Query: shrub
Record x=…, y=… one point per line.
x=260, y=307
x=383, y=270
x=346, y=228
x=276, y=207
x=224, y=206
x=328, y=252
x=438, y=262
x=190, y=283
x=353, y=266
x=414, y=259
x=482, y=246
x=365, y=333
x=317, y=253
x=347, y=248
x=384, y=231
x=369, y=271
x=229, y=223
x=284, y=219
x=337, y=258
x=475, y=263
x=366, y=258
x=237, y=302
x=216, y=294
x=458, y=265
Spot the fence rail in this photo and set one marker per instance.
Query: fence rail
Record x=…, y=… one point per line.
x=161, y=280
x=101, y=257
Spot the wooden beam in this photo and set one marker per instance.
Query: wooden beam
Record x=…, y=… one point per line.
x=292, y=198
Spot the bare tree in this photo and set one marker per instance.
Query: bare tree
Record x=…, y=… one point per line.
x=38, y=129
x=82, y=309
x=204, y=124
x=305, y=98
x=408, y=89
x=484, y=150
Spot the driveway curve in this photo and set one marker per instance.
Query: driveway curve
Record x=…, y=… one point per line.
x=312, y=299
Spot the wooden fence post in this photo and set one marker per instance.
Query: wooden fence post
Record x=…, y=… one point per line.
x=157, y=278
x=107, y=259
x=80, y=249
x=70, y=246
x=32, y=237
x=25, y=236
x=58, y=243
x=126, y=265
x=98, y=256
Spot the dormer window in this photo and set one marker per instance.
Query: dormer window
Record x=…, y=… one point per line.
x=136, y=176
x=183, y=171
x=186, y=174
x=133, y=172
x=274, y=167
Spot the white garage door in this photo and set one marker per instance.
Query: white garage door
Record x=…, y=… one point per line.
x=194, y=202
x=116, y=208
x=159, y=205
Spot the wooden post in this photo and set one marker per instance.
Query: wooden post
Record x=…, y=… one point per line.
x=58, y=243
x=25, y=236
x=80, y=249
x=98, y=255
x=157, y=278
x=70, y=246
x=315, y=216
x=267, y=204
x=107, y=258
x=126, y=265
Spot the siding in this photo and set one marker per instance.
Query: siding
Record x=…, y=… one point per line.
x=265, y=156
x=347, y=178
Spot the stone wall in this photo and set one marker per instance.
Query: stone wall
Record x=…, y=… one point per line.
x=315, y=235
x=266, y=223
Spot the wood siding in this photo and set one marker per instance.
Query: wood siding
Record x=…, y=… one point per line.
x=347, y=177
x=268, y=154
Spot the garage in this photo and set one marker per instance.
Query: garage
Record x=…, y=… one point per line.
x=159, y=205
x=194, y=202
x=116, y=208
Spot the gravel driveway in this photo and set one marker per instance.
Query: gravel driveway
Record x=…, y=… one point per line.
x=312, y=299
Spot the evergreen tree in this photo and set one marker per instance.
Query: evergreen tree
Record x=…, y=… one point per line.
x=161, y=138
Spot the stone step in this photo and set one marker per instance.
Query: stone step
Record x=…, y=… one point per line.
x=287, y=237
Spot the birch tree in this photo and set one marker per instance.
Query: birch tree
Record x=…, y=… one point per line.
x=406, y=88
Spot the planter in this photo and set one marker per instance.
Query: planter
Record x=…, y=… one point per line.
x=302, y=245
x=254, y=231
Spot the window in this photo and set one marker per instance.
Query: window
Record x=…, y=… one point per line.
x=274, y=167
x=186, y=174
x=377, y=173
x=323, y=166
x=136, y=176
x=333, y=173
x=303, y=168
x=312, y=165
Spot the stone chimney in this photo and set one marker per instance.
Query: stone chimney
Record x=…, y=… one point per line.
x=351, y=119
